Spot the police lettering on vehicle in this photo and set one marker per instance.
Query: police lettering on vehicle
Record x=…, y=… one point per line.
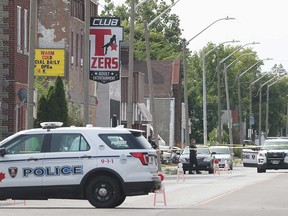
x=53, y=171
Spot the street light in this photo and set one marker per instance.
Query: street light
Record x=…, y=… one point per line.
x=204, y=87
x=251, y=116
x=129, y=111
x=31, y=58
x=228, y=98
x=239, y=97
x=150, y=77
x=185, y=44
x=219, y=87
x=260, y=108
x=267, y=105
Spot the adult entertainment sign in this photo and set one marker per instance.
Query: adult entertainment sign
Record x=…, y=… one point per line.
x=105, y=36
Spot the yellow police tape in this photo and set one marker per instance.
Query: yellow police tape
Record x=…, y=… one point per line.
x=240, y=146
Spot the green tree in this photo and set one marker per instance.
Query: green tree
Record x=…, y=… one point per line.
x=74, y=115
x=195, y=84
x=61, y=102
x=53, y=106
x=42, y=111
x=165, y=41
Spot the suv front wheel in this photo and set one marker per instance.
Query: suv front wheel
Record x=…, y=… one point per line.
x=104, y=192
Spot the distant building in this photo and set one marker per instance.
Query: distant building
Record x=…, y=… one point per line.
x=167, y=94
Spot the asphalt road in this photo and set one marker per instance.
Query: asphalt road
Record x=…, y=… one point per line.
x=244, y=192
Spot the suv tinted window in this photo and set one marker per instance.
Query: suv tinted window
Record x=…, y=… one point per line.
x=68, y=142
x=125, y=141
x=25, y=144
x=275, y=145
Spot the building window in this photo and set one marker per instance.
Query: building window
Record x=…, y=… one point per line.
x=77, y=9
x=77, y=49
x=25, y=30
x=72, y=48
x=94, y=9
x=18, y=28
x=81, y=48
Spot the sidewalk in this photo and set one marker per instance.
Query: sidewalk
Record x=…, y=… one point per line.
x=170, y=171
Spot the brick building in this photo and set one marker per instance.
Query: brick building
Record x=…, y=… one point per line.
x=14, y=43
x=60, y=25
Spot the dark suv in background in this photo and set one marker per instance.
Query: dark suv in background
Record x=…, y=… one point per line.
x=205, y=159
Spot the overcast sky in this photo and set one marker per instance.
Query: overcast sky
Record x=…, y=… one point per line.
x=263, y=21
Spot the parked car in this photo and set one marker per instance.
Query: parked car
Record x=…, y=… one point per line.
x=169, y=154
x=273, y=154
x=222, y=154
x=165, y=154
x=249, y=153
x=205, y=159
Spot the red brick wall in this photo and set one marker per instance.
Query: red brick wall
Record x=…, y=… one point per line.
x=17, y=66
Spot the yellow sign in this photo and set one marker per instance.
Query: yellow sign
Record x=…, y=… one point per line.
x=49, y=62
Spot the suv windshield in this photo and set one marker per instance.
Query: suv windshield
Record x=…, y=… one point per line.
x=275, y=145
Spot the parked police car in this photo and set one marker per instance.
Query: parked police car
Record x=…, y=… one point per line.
x=273, y=154
x=102, y=165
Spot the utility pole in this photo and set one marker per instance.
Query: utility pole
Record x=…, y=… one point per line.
x=240, y=109
x=185, y=94
x=32, y=41
x=219, y=103
x=86, y=66
x=129, y=115
x=251, y=115
x=267, y=112
x=260, y=115
x=260, y=107
x=228, y=107
x=151, y=85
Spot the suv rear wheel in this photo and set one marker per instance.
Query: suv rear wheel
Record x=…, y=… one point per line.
x=104, y=192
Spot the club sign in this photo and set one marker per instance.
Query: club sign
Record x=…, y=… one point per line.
x=105, y=36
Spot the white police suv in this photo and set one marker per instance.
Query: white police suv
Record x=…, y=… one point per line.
x=102, y=165
x=273, y=154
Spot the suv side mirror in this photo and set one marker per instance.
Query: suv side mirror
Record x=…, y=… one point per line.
x=2, y=152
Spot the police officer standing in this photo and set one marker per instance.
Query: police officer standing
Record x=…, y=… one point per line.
x=193, y=157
